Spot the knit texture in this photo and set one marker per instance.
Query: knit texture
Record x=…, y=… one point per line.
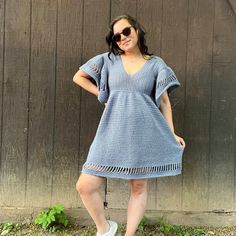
x=133, y=139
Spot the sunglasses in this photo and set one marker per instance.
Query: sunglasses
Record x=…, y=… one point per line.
x=126, y=32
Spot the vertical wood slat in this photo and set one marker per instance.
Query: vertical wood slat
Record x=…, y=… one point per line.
x=174, y=32
x=150, y=16
x=198, y=97
x=94, y=31
x=223, y=110
x=56, y=130
x=2, y=34
x=42, y=92
x=15, y=103
x=67, y=107
x=152, y=22
x=117, y=189
x=120, y=7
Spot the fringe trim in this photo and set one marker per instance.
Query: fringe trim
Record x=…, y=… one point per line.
x=136, y=170
x=167, y=80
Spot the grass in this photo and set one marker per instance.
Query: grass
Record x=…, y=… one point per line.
x=162, y=228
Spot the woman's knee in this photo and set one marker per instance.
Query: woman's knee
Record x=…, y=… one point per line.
x=138, y=187
x=88, y=184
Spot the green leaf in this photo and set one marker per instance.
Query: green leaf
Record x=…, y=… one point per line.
x=52, y=216
x=187, y=234
x=143, y=223
x=58, y=208
x=198, y=231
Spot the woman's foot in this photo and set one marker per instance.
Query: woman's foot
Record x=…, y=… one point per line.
x=112, y=230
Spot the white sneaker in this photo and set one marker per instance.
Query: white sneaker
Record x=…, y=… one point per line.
x=112, y=230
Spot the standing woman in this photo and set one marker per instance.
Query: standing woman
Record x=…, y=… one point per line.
x=135, y=139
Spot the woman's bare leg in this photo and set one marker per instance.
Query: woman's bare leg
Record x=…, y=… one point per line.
x=88, y=187
x=136, y=206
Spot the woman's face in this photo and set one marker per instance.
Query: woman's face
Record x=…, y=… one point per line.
x=126, y=43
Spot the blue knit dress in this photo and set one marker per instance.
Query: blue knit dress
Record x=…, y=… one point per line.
x=133, y=139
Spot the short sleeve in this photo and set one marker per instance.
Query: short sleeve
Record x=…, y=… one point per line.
x=97, y=69
x=165, y=80
x=93, y=67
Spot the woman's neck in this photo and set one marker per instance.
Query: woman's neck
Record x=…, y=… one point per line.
x=132, y=54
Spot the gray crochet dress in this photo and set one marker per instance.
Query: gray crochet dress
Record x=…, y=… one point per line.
x=133, y=139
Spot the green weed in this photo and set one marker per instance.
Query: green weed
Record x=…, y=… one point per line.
x=176, y=230
x=9, y=227
x=198, y=232
x=143, y=223
x=52, y=218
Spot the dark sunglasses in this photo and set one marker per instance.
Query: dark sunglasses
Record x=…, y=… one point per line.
x=126, y=32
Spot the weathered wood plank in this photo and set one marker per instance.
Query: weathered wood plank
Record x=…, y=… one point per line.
x=42, y=95
x=47, y=123
x=67, y=112
x=150, y=16
x=198, y=103
x=120, y=7
x=118, y=192
x=223, y=111
x=15, y=103
x=2, y=35
x=173, y=52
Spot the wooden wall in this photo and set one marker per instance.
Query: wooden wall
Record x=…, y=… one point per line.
x=47, y=122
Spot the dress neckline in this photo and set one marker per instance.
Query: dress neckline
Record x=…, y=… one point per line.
x=137, y=72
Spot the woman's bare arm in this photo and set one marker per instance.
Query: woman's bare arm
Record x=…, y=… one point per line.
x=83, y=80
x=165, y=108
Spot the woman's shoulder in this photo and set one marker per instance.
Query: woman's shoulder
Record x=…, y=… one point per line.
x=105, y=56
x=99, y=59
x=101, y=55
x=157, y=58
x=159, y=62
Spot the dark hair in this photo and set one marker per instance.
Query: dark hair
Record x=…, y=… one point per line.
x=114, y=48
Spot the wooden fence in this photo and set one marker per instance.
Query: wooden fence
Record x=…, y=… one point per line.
x=47, y=122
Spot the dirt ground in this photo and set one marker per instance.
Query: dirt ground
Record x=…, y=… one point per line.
x=29, y=229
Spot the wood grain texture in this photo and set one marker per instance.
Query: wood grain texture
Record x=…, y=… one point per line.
x=198, y=104
x=48, y=123
x=67, y=103
x=174, y=32
x=150, y=16
x=2, y=47
x=42, y=103
x=223, y=111
x=120, y=7
x=15, y=103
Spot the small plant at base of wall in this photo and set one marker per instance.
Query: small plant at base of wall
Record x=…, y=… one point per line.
x=143, y=223
x=52, y=219
x=176, y=230
x=9, y=227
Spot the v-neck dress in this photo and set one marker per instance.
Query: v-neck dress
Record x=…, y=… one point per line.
x=133, y=139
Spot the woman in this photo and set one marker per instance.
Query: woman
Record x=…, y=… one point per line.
x=135, y=139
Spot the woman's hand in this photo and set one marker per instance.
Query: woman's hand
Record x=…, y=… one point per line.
x=105, y=104
x=180, y=140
